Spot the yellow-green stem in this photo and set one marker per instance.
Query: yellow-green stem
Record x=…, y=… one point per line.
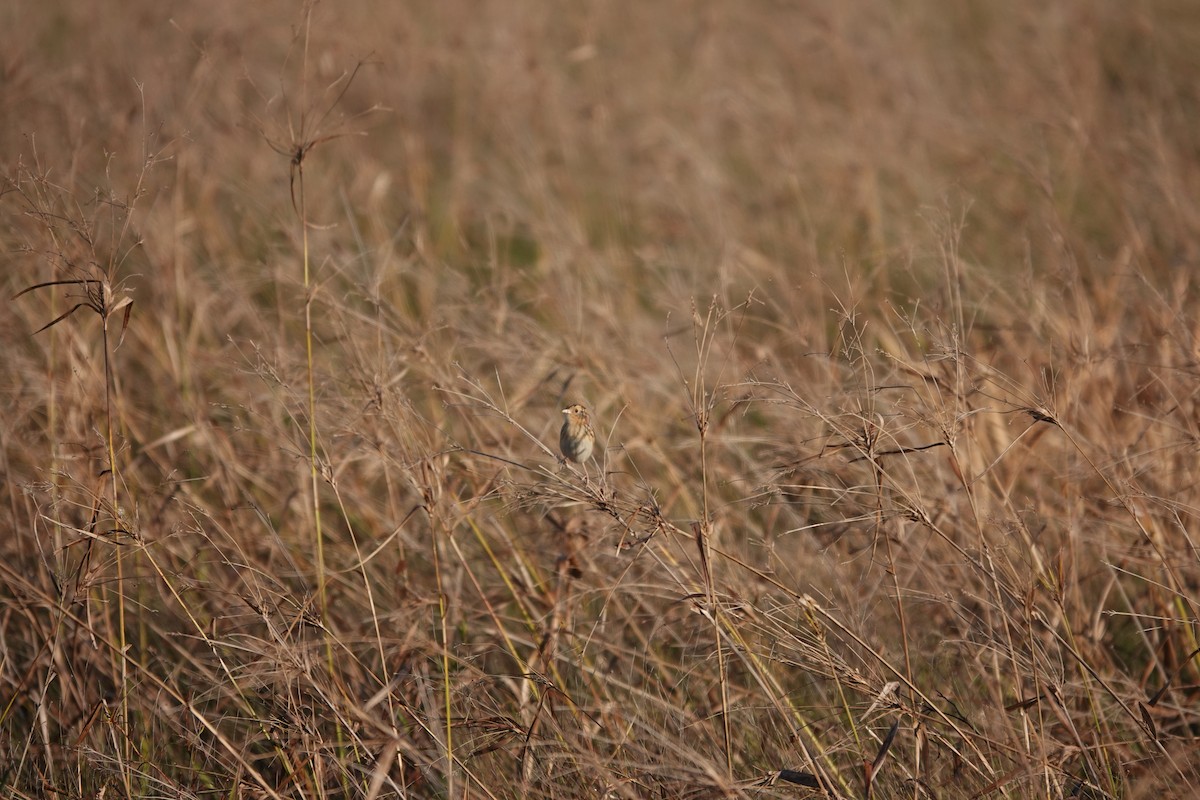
x=120, y=585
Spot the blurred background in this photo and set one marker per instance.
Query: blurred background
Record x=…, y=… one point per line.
x=884, y=313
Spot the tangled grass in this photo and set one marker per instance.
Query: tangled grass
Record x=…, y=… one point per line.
x=885, y=318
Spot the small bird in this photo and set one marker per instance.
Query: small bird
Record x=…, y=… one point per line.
x=577, y=438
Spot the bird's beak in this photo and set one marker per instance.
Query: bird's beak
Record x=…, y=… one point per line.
x=566, y=411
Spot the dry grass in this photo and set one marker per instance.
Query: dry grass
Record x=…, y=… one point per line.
x=886, y=317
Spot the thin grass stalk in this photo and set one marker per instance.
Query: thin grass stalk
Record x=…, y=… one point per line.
x=893, y=567
x=314, y=468
x=703, y=533
x=444, y=633
x=120, y=653
x=701, y=407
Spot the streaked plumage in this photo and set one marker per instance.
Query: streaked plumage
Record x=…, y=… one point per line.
x=577, y=438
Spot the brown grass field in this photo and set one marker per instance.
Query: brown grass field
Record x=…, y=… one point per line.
x=885, y=313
